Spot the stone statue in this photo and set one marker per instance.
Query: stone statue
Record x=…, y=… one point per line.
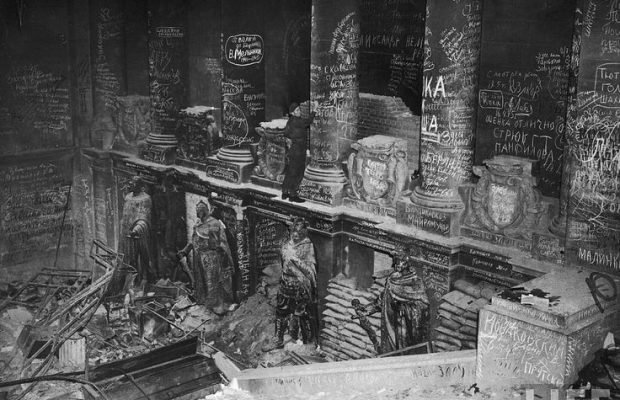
x=362, y=316
x=212, y=262
x=296, y=298
x=136, y=242
x=404, y=307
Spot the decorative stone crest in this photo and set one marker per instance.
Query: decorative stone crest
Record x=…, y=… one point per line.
x=134, y=120
x=504, y=200
x=378, y=169
x=271, y=151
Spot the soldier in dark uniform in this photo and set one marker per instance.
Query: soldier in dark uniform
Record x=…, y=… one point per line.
x=296, y=131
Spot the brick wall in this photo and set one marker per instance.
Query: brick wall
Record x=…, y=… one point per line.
x=386, y=115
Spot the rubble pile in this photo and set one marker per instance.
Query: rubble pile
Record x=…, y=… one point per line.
x=458, y=315
x=75, y=323
x=343, y=338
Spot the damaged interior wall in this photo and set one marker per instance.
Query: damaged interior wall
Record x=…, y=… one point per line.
x=458, y=149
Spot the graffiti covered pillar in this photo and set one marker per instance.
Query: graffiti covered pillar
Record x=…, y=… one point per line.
x=593, y=136
x=334, y=85
x=168, y=77
x=449, y=93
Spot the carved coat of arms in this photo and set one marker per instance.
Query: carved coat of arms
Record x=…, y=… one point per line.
x=504, y=200
x=377, y=170
x=271, y=154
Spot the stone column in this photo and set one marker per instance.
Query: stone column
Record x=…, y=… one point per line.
x=593, y=138
x=558, y=224
x=108, y=78
x=452, y=47
x=334, y=85
x=168, y=77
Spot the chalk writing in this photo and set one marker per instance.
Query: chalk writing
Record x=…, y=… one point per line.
x=527, y=350
x=32, y=205
x=244, y=49
x=167, y=74
x=448, y=92
x=522, y=107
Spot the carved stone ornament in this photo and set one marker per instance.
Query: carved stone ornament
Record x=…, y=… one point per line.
x=197, y=134
x=133, y=119
x=271, y=152
x=504, y=200
x=378, y=169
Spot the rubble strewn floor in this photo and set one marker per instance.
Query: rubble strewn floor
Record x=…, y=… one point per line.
x=130, y=326
x=147, y=323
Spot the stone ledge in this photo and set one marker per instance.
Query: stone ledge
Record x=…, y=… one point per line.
x=421, y=371
x=339, y=215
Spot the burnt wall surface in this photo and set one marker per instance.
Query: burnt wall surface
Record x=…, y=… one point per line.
x=593, y=230
x=524, y=68
x=36, y=135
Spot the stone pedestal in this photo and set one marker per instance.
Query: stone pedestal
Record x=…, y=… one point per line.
x=232, y=164
x=442, y=221
x=542, y=344
x=323, y=186
x=160, y=149
x=377, y=174
x=270, y=154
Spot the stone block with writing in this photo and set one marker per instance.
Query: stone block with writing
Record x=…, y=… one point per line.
x=546, y=343
x=321, y=192
x=440, y=221
x=270, y=154
x=377, y=173
x=504, y=207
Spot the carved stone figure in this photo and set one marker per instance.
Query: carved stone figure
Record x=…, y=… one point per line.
x=362, y=316
x=504, y=200
x=404, y=307
x=136, y=241
x=212, y=262
x=378, y=169
x=296, y=298
x=271, y=151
